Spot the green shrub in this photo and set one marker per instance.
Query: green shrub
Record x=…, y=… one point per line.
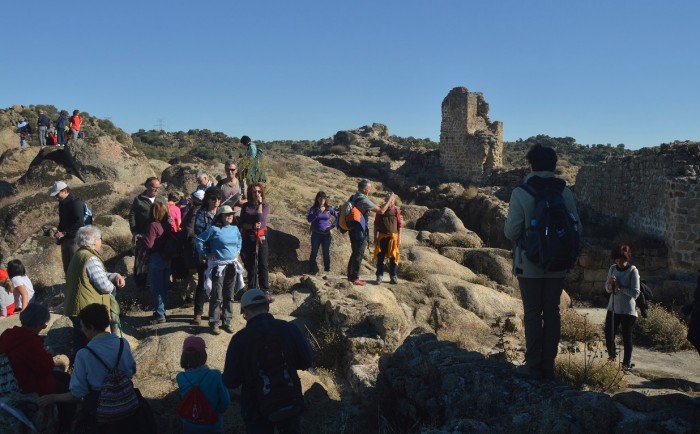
x=590, y=370
x=661, y=330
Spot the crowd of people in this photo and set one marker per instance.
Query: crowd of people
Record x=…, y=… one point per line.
x=220, y=233
x=51, y=133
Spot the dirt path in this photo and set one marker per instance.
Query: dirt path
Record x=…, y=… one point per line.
x=655, y=369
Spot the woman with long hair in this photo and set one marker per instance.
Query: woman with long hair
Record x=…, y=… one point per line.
x=22, y=286
x=253, y=224
x=158, y=267
x=623, y=286
x=323, y=219
x=221, y=244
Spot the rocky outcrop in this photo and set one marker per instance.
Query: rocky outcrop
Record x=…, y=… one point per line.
x=440, y=220
x=494, y=263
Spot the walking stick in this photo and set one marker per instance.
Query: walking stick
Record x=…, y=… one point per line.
x=255, y=268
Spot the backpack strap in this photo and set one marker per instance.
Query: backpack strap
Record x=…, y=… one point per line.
x=119, y=355
x=530, y=189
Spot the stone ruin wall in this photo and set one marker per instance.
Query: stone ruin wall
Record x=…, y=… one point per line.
x=470, y=144
x=653, y=193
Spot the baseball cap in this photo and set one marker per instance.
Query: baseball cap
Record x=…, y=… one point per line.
x=56, y=187
x=253, y=296
x=194, y=343
x=199, y=195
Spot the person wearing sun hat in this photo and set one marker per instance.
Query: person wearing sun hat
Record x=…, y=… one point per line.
x=277, y=339
x=221, y=244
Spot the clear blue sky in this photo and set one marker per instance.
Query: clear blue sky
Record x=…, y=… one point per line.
x=599, y=71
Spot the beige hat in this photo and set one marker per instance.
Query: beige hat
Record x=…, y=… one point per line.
x=225, y=210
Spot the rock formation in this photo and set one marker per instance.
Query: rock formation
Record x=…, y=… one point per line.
x=470, y=144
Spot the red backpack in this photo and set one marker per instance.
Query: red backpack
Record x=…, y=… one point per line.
x=195, y=406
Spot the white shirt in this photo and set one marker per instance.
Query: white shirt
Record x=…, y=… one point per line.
x=22, y=280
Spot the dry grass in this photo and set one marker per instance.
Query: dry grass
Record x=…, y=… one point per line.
x=463, y=340
x=327, y=346
x=576, y=327
x=591, y=371
x=662, y=330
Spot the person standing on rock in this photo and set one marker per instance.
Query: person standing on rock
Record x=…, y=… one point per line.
x=75, y=123
x=359, y=233
x=540, y=290
x=71, y=217
x=267, y=353
x=61, y=124
x=221, y=244
x=202, y=220
x=139, y=218
x=623, y=286
x=320, y=216
x=255, y=250
x=387, y=239
x=154, y=239
x=233, y=190
x=43, y=123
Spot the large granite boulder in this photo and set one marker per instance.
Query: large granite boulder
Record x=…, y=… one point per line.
x=440, y=220
x=494, y=263
x=104, y=157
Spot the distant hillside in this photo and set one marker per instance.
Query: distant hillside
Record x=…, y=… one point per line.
x=211, y=145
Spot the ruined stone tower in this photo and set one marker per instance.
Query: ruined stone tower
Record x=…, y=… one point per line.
x=469, y=143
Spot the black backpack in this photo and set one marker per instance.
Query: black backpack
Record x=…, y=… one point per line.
x=278, y=396
x=645, y=294
x=552, y=240
x=173, y=244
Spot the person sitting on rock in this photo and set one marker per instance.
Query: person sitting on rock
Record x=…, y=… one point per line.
x=22, y=286
x=32, y=365
x=7, y=298
x=387, y=239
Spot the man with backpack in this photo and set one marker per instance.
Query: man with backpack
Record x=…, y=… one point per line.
x=71, y=217
x=264, y=358
x=359, y=230
x=544, y=225
x=43, y=124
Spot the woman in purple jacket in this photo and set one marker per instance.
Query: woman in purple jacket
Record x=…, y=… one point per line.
x=323, y=218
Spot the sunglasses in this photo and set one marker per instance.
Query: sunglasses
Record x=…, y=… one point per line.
x=231, y=170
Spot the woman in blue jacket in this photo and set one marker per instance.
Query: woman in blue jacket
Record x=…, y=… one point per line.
x=321, y=225
x=221, y=244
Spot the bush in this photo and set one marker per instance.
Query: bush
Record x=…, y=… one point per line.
x=590, y=371
x=661, y=330
x=577, y=328
x=327, y=346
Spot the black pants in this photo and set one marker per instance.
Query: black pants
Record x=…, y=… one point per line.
x=627, y=322
x=248, y=255
x=358, y=244
x=200, y=295
x=542, y=320
x=66, y=410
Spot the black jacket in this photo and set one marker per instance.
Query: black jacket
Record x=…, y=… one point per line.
x=70, y=216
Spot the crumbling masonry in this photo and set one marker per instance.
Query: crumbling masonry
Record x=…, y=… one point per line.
x=470, y=145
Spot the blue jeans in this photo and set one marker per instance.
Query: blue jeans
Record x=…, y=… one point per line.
x=159, y=278
x=542, y=320
x=318, y=240
x=60, y=136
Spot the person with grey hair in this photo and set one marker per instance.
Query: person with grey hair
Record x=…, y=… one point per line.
x=87, y=282
x=203, y=181
x=359, y=232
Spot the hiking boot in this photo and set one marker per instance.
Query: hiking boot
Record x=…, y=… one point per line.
x=197, y=320
x=156, y=321
x=527, y=372
x=227, y=328
x=379, y=280
x=627, y=367
x=394, y=280
x=215, y=329
x=359, y=282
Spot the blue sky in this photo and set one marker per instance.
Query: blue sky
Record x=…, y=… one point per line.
x=599, y=71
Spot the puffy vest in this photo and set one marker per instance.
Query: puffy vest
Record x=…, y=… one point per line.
x=79, y=290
